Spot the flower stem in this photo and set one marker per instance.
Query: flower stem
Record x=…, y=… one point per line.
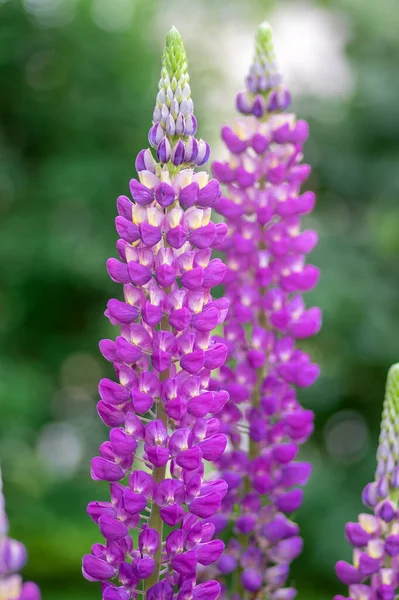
x=159, y=474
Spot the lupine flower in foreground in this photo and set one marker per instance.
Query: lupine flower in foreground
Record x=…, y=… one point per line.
x=159, y=410
x=374, y=574
x=12, y=559
x=265, y=279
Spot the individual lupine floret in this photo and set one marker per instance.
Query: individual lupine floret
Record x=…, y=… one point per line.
x=374, y=574
x=267, y=273
x=160, y=409
x=12, y=558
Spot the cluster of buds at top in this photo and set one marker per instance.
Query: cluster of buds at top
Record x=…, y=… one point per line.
x=12, y=559
x=175, y=126
x=265, y=92
x=374, y=574
x=161, y=410
x=266, y=276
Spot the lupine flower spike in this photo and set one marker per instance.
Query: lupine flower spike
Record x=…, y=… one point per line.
x=12, y=558
x=374, y=574
x=160, y=408
x=266, y=276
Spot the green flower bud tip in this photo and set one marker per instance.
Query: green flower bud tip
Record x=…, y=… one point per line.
x=264, y=49
x=173, y=122
x=388, y=448
x=263, y=75
x=393, y=386
x=390, y=415
x=174, y=72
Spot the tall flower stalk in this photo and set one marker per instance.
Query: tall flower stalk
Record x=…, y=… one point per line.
x=374, y=574
x=265, y=280
x=159, y=408
x=12, y=558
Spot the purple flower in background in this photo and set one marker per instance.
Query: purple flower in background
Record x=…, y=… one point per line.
x=12, y=559
x=160, y=408
x=266, y=277
x=374, y=574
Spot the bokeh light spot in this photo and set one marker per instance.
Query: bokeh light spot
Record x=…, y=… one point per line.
x=346, y=437
x=305, y=27
x=113, y=16
x=60, y=448
x=51, y=13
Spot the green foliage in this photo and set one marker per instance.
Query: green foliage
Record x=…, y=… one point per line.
x=75, y=107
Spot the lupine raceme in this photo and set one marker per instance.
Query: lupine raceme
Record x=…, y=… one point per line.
x=12, y=558
x=265, y=253
x=374, y=574
x=160, y=409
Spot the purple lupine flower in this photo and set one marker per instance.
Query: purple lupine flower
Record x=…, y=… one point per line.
x=266, y=276
x=374, y=574
x=160, y=408
x=12, y=558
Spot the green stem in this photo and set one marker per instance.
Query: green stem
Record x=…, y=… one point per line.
x=159, y=474
x=253, y=450
x=155, y=521
x=260, y=376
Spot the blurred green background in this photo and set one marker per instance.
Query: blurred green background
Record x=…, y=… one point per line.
x=78, y=80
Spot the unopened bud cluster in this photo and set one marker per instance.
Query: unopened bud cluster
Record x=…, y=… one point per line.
x=374, y=574
x=175, y=126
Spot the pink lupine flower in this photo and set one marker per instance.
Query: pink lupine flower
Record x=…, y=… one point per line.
x=267, y=275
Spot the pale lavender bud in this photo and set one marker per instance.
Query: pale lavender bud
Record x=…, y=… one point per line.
x=170, y=126
x=145, y=161
x=174, y=108
x=279, y=99
x=164, y=150
x=244, y=103
x=164, y=114
x=204, y=152
x=191, y=150
x=178, y=152
x=190, y=125
x=157, y=115
x=156, y=134
x=180, y=125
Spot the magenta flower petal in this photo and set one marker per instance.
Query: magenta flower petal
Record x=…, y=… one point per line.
x=106, y=470
x=185, y=564
x=96, y=569
x=251, y=579
x=30, y=591
x=112, y=529
x=161, y=591
x=210, y=590
x=213, y=447
x=210, y=552
x=347, y=573
x=140, y=193
x=172, y=514
x=205, y=506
